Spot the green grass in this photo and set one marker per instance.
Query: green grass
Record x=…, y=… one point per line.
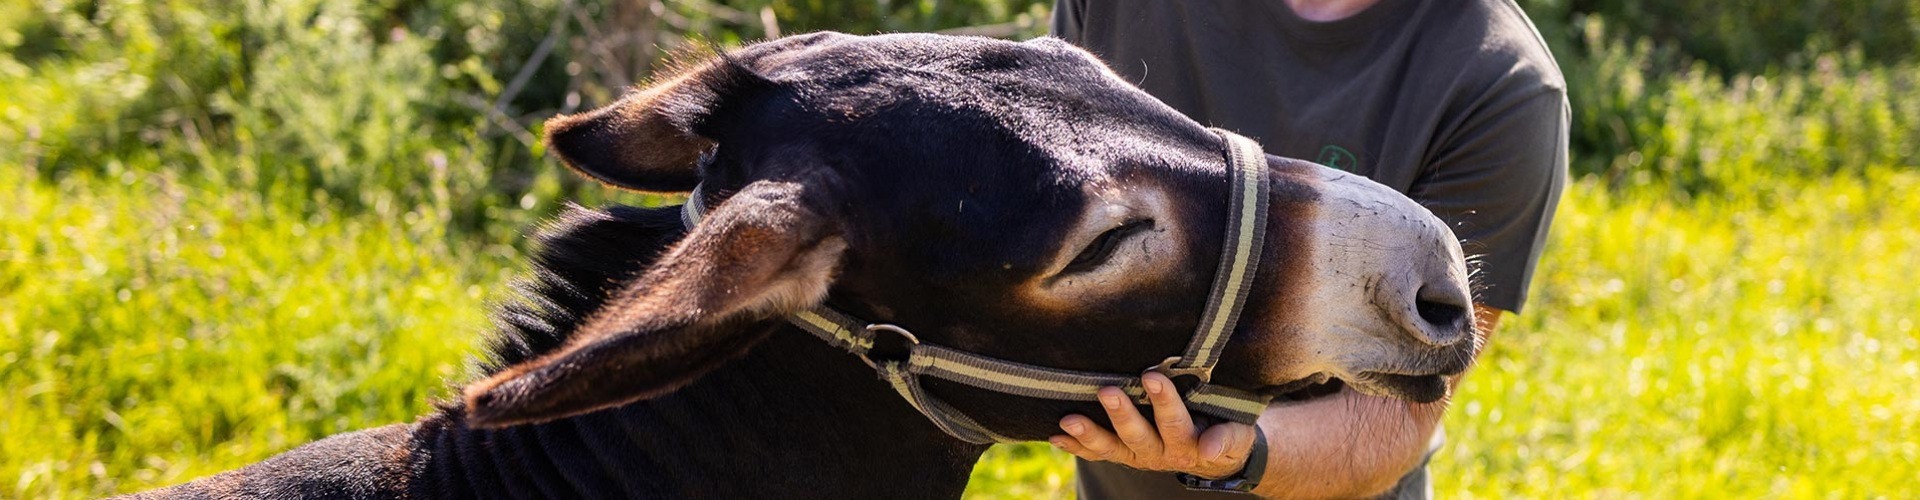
x=153, y=331
x=1759, y=344
x=1753, y=344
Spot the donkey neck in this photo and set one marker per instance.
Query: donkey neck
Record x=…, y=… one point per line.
x=793, y=418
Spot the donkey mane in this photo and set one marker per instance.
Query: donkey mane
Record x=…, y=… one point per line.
x=583, y=255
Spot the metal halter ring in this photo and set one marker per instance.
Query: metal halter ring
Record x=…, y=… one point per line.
x=1166, y=367
x=891, y=328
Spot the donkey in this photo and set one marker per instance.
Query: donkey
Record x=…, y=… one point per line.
x=1015, y=200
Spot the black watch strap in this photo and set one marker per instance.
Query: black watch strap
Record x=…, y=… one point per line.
x=1242, y=481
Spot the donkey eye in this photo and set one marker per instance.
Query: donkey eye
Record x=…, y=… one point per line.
x=1102, y=247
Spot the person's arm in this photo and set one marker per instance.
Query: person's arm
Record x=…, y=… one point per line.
x=1376, y=439
x=1381, y=439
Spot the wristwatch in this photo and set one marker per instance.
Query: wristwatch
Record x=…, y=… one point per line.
x=1243, y=481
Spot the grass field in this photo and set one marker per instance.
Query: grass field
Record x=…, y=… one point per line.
x=1759, y=344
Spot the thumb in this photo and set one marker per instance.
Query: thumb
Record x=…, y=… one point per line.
x=1224, y=448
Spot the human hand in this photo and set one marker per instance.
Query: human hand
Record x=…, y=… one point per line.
x=1169, y=443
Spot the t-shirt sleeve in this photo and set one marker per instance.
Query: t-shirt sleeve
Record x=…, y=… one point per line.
x=1067, y=20
x=1497, y=182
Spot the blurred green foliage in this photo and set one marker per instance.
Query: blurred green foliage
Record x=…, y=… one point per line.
x=1704, y=96
x=230, y=227
x=306, y=102
x=1752, y=36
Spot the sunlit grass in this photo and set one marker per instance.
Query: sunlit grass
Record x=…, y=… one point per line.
x=1759, y=344
x=152, y=331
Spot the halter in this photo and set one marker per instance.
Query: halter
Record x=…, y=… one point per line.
x=1239, y=259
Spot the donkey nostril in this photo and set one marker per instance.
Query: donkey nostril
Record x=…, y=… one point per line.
x=1439, y=313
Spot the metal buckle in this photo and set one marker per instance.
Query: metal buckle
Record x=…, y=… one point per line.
x=1203, y=373
x=891, y=328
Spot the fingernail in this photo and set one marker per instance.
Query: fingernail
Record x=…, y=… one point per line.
x=1112, y=403
x=1075, y=428
x=1153, y=386
x=1058, y=443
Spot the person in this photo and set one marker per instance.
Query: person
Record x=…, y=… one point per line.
x=1457, y=104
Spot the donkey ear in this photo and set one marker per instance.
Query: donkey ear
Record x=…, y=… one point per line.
x=761, y=254
x=649, y=139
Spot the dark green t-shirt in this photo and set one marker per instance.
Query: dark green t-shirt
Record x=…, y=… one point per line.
x=1456, y=103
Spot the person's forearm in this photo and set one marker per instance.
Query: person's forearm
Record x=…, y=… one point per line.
x=1344, y=445
x=1384, y=438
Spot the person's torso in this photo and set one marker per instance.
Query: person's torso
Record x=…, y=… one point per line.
x=1379, y=93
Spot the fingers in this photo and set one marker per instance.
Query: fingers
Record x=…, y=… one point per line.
x=1139, y=436
x=1072, y=446
x=1088, y=440
x=1177, y=435
x=1168, y=442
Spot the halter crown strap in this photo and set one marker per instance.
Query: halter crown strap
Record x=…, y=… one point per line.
x=1239, y=258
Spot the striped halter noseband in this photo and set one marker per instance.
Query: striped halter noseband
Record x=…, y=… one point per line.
x=1239, y=259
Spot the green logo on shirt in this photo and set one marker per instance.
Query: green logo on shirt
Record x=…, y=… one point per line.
x=1338, y=157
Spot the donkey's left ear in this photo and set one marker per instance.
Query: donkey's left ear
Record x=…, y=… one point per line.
x=763, y=253
x=650, y=140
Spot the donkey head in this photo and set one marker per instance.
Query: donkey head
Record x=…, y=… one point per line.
x=1012, y=199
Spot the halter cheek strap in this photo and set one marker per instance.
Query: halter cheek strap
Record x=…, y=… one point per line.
x=1238, y=262
x=1239, y=259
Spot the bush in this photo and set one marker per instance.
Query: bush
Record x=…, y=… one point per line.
x=293, y=100
x=1757, y=36
x=1694, y=130
x=1702, y=97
